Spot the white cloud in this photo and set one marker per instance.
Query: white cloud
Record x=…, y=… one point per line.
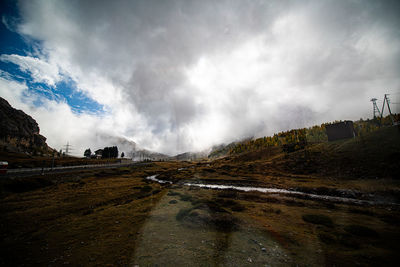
x=12, y=91
x=184, y=75
x=40, y=70
x=57, y=122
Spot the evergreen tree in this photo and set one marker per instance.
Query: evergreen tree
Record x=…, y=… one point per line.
x=110, y=152
x=87, y=153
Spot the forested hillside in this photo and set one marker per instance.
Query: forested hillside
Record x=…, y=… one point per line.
x=298, y=138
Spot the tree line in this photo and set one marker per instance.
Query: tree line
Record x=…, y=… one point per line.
x=296, y=139
x=105, y=153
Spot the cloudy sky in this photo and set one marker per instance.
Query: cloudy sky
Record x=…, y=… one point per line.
x=177, y=76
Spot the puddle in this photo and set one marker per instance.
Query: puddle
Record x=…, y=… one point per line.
x=153, y=178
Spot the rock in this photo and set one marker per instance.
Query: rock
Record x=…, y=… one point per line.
x=249, y=259
x=19, y=132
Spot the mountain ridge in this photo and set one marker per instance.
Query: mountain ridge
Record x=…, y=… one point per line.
x=19, y=132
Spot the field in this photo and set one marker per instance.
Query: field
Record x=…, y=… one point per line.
x=117, y=217
x=21, y=160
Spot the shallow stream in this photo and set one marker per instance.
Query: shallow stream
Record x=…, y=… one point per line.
x=275, y=191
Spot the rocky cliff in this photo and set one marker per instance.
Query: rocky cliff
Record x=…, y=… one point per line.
x=19, y=131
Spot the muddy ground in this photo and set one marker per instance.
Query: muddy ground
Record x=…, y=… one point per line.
x=116, y=217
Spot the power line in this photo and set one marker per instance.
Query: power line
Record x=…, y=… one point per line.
x=68, y=148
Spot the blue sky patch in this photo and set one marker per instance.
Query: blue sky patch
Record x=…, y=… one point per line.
x=13, y=43
x=77, y=100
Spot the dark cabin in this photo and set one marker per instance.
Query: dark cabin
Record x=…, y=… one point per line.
x=340, y=130
x=98, y=153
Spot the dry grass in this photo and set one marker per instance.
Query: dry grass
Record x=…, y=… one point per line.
x=109, y=217
x=21, y=160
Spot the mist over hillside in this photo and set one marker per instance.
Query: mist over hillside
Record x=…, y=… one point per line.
x=185, y=76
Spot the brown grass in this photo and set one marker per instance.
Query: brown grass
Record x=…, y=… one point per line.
x=95, y=217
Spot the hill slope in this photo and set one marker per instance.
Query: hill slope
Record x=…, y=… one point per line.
x=375, y=155
x=19, y=132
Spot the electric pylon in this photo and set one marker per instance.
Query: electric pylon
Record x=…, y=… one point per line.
x=375, y=107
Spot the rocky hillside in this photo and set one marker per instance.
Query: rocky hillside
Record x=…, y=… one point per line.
x=19, y=132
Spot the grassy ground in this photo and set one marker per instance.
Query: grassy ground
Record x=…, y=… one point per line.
x=21, y=160
x=115, y=217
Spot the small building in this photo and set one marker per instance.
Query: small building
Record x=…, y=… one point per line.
x=340, y=130
x=98, y=153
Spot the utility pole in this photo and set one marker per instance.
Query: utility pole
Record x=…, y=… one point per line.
x=67, y=148
x=375, y=107
x=388, y=105
x=387, y=101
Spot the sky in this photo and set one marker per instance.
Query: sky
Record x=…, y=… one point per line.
x=176, y=76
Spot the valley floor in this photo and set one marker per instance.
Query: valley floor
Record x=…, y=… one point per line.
x=117, y=217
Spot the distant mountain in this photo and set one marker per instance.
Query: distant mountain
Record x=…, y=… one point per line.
x=190, y=156
x=129, y=147
x=144, y=154
x=123, y=144
x=19, y=132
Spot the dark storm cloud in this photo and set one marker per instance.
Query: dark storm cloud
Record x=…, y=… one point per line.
x=309, y=56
